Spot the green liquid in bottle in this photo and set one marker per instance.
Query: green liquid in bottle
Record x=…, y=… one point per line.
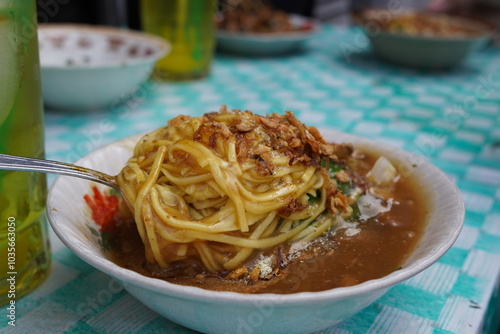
x=24, y=249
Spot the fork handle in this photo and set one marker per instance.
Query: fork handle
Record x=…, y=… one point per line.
x=18, y=163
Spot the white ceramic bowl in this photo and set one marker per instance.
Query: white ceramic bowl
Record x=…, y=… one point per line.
x=91, y=67
x=228, y=312
x=424, y=52
x=255, y=44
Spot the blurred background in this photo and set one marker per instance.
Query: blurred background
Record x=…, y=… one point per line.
x=126, y=12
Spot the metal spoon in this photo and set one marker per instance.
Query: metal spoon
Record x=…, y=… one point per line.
x=12, y=162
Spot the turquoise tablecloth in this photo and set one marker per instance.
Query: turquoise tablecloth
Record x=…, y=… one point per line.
x=451, y=117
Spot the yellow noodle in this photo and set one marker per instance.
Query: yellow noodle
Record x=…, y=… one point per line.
x=191, y=192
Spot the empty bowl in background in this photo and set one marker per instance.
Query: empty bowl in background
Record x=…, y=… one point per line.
x=91, y=67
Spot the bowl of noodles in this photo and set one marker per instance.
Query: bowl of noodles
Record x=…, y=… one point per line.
x=423, y=39
x=237, y=222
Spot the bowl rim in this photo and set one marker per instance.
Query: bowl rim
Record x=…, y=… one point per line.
x=162, y=46
x=438, y=40
x=130, y=277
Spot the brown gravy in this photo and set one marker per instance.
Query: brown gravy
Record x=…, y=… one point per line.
x=381, y=247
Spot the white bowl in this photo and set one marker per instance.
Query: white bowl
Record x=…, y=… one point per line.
x=420, y=51
x=90, y=67
x=425, y=52
x=228, y=312
x=267, y=44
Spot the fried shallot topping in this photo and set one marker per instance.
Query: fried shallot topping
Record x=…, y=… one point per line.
x=257, y=135
x=260, y=138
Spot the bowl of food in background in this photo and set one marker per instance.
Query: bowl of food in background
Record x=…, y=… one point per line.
x=91, y=67
x=257, y=29
x=222, y=227
x=423, y=39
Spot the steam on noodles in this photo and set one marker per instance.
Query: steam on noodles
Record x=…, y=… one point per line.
x=225, y=186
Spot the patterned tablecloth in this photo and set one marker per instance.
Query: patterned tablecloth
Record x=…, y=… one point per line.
x=451, y=117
